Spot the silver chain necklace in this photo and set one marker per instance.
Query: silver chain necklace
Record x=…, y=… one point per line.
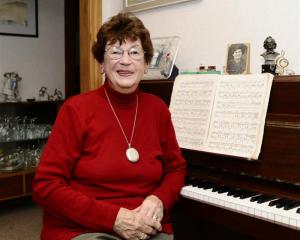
x=131, y=153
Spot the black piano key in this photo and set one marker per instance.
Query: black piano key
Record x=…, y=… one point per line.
x=279, y=203
x=274, y=202
x=239, y=193
x=282, y=203
x=216, y=188
x=264, y=198
x=298, y=210
x=224, y=189
x=255, y=198
x=201, y=183
x=196, y=182
x=248, y=194
x=192, y=182
x=291, y=205
x=233, y=191
x=207, y=185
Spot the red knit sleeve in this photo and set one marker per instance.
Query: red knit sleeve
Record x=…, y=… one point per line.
x=52, y=188
x=174, y=164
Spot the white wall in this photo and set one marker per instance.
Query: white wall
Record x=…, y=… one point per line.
x=39, y=61
x=207, y=26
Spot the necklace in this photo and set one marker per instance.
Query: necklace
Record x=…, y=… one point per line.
x=131, y=153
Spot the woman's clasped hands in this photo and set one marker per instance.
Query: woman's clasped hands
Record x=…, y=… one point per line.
x=142, y=222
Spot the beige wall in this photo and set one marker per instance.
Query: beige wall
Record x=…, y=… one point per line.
x=207, y=26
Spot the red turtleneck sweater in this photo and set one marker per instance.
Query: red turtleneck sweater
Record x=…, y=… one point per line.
x=84, y=177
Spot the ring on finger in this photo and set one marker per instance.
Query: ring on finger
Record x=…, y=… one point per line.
x=142, y=235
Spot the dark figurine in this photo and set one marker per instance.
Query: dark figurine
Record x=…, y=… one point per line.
x=269, y=56
x=43, y=94
x=57, y=96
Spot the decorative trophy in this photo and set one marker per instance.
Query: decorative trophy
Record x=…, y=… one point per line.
x=57, y=96
x=43, y=94
x=10, y=89
x=281, y=63
x=269, y=56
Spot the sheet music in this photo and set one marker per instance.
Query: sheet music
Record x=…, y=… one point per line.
x=238, y=115
x=191, y=105
x=221, y=113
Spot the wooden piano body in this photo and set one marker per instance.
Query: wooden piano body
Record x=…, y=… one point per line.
x=277, y=171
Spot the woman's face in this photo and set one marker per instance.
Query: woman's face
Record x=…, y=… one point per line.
x=124, y=65
x=237, y=54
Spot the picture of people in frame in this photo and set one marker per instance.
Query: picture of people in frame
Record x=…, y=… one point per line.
x=164, y=56
x=238, y=58
x=159, y=51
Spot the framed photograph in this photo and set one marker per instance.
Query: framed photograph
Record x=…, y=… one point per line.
x=238, y=56
x=139, y=5
x=19, y=18
x=162, y=63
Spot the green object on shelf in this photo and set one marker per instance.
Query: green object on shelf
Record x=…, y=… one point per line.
x=203, y=72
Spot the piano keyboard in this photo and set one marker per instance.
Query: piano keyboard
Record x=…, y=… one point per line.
x=266, y=207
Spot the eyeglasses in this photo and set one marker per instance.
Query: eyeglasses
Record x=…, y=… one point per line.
x=115, y=53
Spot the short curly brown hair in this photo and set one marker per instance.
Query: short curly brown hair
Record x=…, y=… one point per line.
x=119, y=28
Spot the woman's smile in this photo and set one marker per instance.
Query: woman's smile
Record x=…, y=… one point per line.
x=125, y=73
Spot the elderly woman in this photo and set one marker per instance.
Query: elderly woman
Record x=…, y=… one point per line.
x=112, y=168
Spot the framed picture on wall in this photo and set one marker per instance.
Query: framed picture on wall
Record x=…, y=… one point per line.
x=164, y=56
x=19, y=18
x=139, y=5
x=238, y=56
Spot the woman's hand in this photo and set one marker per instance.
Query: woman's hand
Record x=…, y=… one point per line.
x=152, y=207
x=134, y=225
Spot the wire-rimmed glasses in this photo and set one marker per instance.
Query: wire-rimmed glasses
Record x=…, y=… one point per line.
x=116, y=53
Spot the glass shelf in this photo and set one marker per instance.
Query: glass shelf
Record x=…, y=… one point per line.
x=23, y=140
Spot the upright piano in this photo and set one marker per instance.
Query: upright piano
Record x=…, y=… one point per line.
x=232, y=198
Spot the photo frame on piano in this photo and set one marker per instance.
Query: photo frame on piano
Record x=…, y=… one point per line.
x=237, y=60
x=165, y=53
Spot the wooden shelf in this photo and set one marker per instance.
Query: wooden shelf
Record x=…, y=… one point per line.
x=16, y=184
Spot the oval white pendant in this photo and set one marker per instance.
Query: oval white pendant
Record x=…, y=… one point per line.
x=132, y=155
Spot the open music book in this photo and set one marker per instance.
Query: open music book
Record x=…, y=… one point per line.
x=222, y=114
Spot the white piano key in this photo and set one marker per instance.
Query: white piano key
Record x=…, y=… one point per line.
x=293, y=222
x=262, y=211
x=294, y=218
